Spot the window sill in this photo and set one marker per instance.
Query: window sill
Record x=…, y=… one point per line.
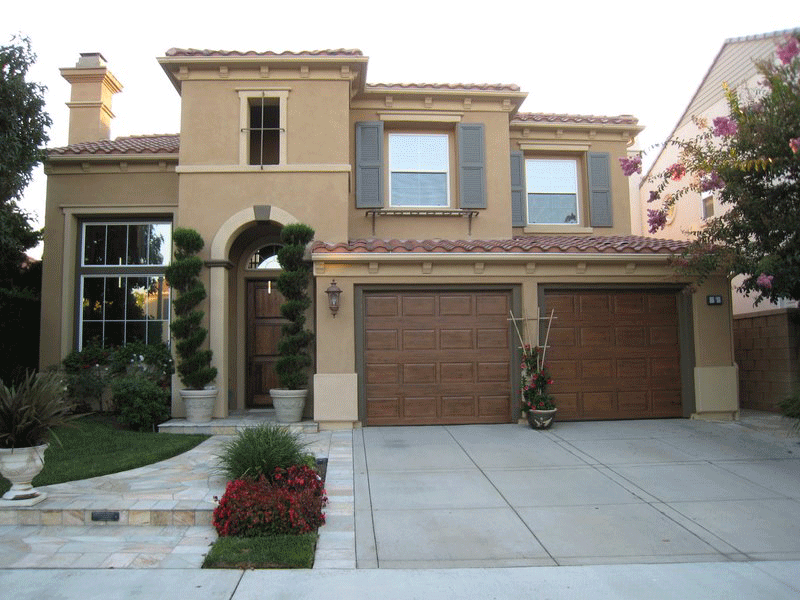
x=557, y=229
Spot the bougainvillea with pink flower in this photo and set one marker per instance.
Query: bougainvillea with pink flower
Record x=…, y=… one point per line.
x=535, y=379
x=750, y=160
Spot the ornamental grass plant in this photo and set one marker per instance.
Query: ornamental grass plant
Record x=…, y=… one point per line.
x=258, y=451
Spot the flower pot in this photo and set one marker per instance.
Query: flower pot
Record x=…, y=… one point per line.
x=199, y=404
x=20, y=466
x=289, y=404
x=541, y=419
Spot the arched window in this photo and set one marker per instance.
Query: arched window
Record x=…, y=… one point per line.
x=265, y=257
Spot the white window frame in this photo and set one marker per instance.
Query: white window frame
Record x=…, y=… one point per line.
x=246, y=97
x=530, y=189
x=446, y=172
x=704, y=196
x=121, y=272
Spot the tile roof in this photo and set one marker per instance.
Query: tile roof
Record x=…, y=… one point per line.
x=288, y=53
x=455, y=87
x=588, y=119
x=535, y=244
x=134, y=144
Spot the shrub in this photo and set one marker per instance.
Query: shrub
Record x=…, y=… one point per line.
x=257, y=451
x=87, y=375
x=790, y=407
x=142, y=403
x=292, y=504
x=154, y=361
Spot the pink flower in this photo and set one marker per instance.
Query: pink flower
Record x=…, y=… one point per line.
x=787, y=51
x=657, y=219
x=725, y=126
x=653, y=196
x=712, y=182
x=677, y=171
x=630, y=165
x=765, y=281
x=794, y=144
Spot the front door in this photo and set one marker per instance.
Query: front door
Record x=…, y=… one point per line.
x=263, y=332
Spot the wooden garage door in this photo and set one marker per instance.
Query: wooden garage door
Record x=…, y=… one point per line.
x=614, y=355
x=437, y=358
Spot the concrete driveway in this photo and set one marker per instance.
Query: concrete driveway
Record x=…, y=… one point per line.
x=663, y=491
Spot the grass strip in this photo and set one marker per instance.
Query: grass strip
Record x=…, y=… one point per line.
x=266, y=552
x=95, y=446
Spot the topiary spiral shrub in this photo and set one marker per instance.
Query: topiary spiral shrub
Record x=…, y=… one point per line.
x=291, y=504
x=194, y=364
x=291, y=367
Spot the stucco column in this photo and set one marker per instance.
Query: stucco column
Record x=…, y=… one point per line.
x=218, y=330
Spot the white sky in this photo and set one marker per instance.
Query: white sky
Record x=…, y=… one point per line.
x=585, y=57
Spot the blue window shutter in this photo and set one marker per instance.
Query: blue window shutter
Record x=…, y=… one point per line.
x=600, y=190
x=471, y=166
x=369, y=164
x=518, y=190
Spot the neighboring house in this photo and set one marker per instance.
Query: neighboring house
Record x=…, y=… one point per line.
x=767, y=337
x=440, y=211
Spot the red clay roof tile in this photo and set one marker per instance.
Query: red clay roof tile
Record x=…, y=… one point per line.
x=536, y=244
x=455, y=87
x=134, y=144
x=588, y=119
x=288, y=53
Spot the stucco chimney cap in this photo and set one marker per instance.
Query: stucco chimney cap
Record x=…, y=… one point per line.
x=89, y=60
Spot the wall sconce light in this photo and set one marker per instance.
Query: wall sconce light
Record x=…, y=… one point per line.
x=333, y=292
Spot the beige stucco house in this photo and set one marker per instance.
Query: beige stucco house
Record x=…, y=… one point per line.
x=767, y=337
x=443, y=213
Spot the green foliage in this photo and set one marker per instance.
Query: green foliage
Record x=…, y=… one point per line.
x=291, y=367
x=30, y=410
x=258, y=451
x=94, y=445
x=23, y=135
x=153, y=361
x=194, y=366
x=142, y=404
x=19, y=331
x=751, y=160
x=266, y=552
x=790, y=408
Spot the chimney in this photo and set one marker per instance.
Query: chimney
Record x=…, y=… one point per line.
x=93, y=86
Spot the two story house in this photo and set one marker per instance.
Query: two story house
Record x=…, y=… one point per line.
x=454, y=224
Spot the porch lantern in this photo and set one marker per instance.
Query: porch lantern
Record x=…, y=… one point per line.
x=333, y=292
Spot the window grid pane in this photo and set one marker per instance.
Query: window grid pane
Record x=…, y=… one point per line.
x=419, y=169
x=552, y=191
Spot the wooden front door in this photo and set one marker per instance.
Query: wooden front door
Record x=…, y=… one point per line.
x=263, y=332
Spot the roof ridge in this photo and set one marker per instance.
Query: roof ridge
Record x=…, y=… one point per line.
x=762, y=36
x=210, y=52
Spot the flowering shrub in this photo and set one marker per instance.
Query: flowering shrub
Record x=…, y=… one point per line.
x=535, y=379
x=292, y=504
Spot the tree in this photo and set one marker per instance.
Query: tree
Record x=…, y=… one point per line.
x=23, y=134
x=751, y=159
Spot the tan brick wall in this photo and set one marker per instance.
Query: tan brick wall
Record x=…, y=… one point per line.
x=767, y=350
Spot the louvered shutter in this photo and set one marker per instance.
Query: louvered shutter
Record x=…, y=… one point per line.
x=471, y=161
x=600, y=190
x=369, y=164
x=518, y=190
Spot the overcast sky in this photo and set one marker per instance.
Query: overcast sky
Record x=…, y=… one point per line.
x=584, y=57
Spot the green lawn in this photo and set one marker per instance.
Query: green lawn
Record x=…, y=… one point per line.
x=96, y=446
x=266, y=552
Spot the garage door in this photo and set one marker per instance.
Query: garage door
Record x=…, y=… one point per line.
x=614, y=355
x=437, y=357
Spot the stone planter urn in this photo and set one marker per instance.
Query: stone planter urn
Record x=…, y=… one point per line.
x=541, y=419
x=199, y=404
x=20, y=466
x=289, y=404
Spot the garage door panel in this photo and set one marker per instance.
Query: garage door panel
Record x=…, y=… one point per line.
x=382, y=306
x=419, y=339
x=453, y=360
x=627, y=361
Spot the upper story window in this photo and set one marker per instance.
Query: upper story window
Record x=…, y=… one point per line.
x=262, y=120
x=419, y=169
x=422, y=167
x=707, y=204
x=552, y=188
x=123, y=294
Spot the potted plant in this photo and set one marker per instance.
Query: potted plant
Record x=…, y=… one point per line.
x=194, y=365
x=539, y=406
x=28, y=414
x=294, y=359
